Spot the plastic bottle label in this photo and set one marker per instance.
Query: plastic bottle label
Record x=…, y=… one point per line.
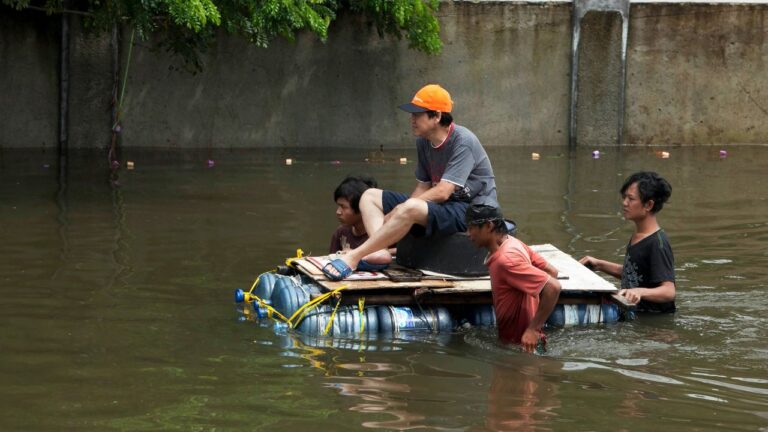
x=404, y=317
x=571, y=315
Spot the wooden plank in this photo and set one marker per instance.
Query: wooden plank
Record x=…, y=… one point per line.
x=467, y=286
x=622, y=302
x=307, y=267
x=580, y=278
x=408, y=300
x=382, y=284
x=310, y=267
x=428, y=274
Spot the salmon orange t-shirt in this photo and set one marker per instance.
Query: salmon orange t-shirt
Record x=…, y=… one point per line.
x=517, y=277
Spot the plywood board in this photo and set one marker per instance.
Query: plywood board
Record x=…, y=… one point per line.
x=467, y=286
x=580, y=278
x=383, y=285
x=311, y=266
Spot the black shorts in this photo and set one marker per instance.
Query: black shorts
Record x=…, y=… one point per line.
x=444, y=218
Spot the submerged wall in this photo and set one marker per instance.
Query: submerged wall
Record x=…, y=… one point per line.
x=694, y=76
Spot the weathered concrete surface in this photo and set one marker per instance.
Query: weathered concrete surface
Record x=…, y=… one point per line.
x=696, y=74
x=506, y=67
x=29, y=80
x=599, y=79
x=90, y=89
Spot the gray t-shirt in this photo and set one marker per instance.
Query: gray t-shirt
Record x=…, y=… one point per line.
x=462, y=161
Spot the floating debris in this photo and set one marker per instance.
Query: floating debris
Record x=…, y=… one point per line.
x=596, y=154
x=376, y=155
x=535, y=156
x=129, y=165
x=723, y=154
x=211, y=163
x=403, y=161
x=289, y=161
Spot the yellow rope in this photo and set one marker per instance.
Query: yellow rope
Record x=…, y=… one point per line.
x=302, y=311
x=270, y=310
x=361, y=305
x=299, y=255
x=330, y=321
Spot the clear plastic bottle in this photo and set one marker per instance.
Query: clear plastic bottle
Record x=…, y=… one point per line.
x=261, y=311
x=280, y=327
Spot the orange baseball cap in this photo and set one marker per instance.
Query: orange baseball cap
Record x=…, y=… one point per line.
x=431, y=97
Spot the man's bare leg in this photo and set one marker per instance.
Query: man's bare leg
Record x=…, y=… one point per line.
x=412, y=211
x=372, y=209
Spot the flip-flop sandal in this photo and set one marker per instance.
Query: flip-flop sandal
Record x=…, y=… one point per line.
x=364, y=265
x=340, y=266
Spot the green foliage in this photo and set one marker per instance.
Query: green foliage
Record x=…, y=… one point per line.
x=187, y=27
x=414, y=17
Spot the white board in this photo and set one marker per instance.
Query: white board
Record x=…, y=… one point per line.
x=580, y=278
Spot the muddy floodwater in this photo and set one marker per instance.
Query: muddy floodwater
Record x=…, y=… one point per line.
x=117, y=310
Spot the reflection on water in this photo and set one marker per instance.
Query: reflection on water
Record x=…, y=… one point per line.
x=117, y=313
x=521, y=398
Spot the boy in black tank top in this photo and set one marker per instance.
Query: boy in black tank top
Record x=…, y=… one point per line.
x=648, y=273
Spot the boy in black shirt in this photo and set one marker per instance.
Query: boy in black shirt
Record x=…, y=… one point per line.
x=648, y=273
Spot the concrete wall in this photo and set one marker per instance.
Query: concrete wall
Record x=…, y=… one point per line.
x=694, y=76
x=599, y=79
x=505, y=66
x=29, y=80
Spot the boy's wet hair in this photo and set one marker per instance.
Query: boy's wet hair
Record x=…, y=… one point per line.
x=352, y=188
x=651, y=186
x=479, y=214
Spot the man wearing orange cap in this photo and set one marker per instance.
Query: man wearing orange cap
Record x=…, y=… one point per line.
x=453, y=171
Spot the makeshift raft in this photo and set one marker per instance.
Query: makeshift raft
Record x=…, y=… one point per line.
x=400, y=299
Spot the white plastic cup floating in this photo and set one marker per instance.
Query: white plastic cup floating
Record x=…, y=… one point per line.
x=289, y=161
x=535, y=156
x=665, y=155
x=129, y=165
x=403, y=161
x=596, y=154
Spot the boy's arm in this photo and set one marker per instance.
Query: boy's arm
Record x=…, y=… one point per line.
x=662, y=293
x=595, y=264
x=539, y=262
x=550, y=269
x=547, y=301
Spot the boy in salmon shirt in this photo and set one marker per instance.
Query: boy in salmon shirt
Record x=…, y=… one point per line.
x=525, y=286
